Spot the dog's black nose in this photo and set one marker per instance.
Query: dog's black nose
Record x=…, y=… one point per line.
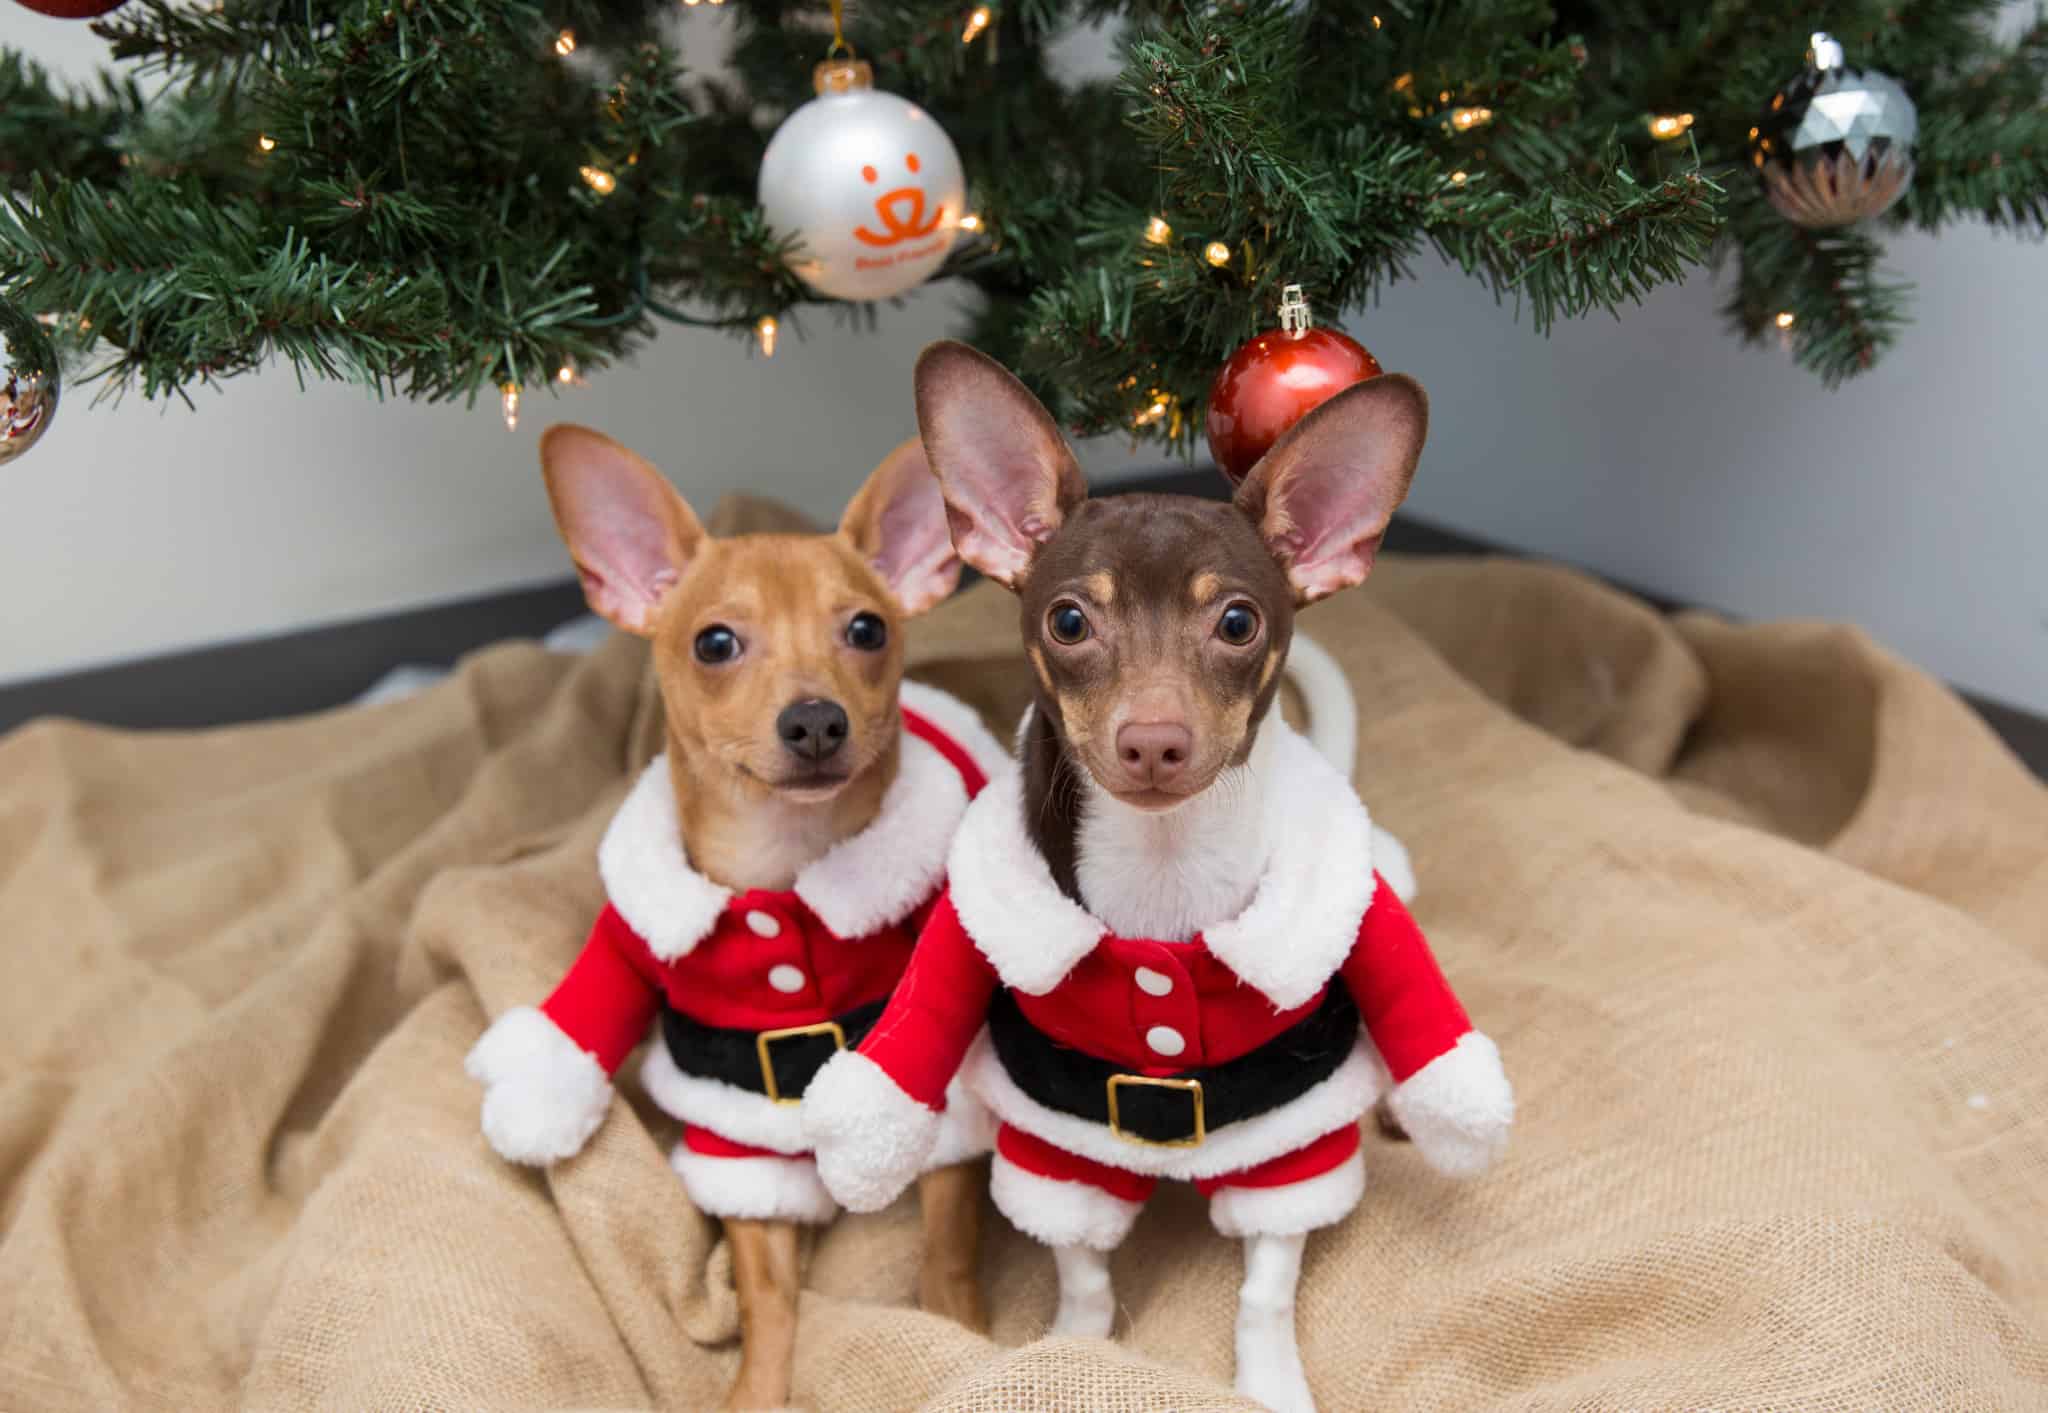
x=812, y=730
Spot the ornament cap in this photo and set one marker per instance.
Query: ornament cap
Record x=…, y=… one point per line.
x=842, y=75
x=1295, y=318
x=1823, y=51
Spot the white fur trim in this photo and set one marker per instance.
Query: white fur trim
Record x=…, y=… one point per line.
x=869, y=1137
x=965, y=1129
x=881, y=875
x=1018, y=918
x=757, y=1189
x=1298, y=1207
x=647, y=876
x=1390, y=857
x=544, y=1094
x=1303, y=921
x=1339, y=1100
x=726, y=1109
x=1299, y=927
x=1060, y=1213
x=960, y=721
x=862, y=884
x=1326, y=693
x=1458, y=1107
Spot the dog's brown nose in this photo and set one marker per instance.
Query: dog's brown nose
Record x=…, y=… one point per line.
x=1153, y=752
x=812, y=730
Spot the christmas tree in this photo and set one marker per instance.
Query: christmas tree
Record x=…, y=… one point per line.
x=444, y=197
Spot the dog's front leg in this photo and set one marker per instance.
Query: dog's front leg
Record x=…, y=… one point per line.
x=1268, y=1358
x=949, y=1283
x=764, y=1271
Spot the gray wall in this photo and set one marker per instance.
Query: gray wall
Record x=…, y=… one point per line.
x=1653, y=448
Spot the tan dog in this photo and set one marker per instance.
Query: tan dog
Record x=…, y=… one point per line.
x=767, y=877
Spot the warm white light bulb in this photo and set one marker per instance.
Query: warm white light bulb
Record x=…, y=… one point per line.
x=765, y=332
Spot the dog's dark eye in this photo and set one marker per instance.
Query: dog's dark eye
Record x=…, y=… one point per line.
x=717, y=643
x=867, y=632
x=1067, y=623
x=1238, y=625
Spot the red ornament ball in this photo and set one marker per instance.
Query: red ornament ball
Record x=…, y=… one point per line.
x=72, y=9
x=1273, y=382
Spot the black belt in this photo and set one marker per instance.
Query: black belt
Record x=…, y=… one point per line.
x=778, y=1063
x=1179, y=1110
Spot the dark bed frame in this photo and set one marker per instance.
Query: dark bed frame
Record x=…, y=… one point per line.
x=315, y=668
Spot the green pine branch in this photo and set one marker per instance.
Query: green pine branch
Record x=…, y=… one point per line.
x=424, y=197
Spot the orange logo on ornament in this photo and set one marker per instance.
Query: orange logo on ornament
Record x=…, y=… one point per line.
x=900, y=211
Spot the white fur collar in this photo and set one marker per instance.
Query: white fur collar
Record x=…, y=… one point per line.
x=862, y=884
x=1297, y=930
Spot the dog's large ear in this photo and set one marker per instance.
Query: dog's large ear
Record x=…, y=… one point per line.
x=1007, y=474
x=898, y=523
x=1322, y=497
x=629, y=532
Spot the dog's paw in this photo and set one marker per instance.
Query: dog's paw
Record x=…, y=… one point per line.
x=544, y=1095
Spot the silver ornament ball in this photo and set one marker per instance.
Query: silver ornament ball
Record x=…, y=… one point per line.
x=29, y=383
x=1835, y=146
x=869, y=184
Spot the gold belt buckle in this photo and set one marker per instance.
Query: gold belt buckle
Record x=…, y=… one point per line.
x=768, y=1037
x=1191, y=1086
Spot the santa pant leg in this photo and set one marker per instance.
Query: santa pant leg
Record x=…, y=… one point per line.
x=1063, y=1199
x=1313, y=1186
x=728, y=1179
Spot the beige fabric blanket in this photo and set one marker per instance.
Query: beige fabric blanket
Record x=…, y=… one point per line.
x=1759, y=917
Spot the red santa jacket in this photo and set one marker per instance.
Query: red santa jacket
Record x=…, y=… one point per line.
x=764, y=959
x=1321, y=917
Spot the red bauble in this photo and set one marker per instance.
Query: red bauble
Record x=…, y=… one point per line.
x=1272, y=383
x=72, y=9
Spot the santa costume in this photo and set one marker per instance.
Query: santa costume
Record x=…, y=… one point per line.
x=1240, y=1060
x=754, y=991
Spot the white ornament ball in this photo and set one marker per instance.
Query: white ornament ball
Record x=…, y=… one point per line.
x=870, y=185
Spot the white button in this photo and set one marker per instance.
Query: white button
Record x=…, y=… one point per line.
x=1166, y=1040
x=785, y=978
x=1153, y=983
x=763, y=924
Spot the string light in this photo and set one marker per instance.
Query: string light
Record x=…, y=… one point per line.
x=568, y=376
x=1216, y=253
x=508, y=398
x=599, y=180
x=970, y=222
x=1785, y=319
x=1160, y=402
x=1375, y=21
x=265, y=142
x=1457, y=178
x=977, y=21
x=1157, y=232
x=764, y=332
x=1666, y=126
x=565, y=43
x=1466, y=119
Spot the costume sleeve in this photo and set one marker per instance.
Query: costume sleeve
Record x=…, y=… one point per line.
x=936, y=1011
x=1408, y=1007
x=608, y=999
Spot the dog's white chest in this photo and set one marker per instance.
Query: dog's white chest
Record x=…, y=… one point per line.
x=1168, y=876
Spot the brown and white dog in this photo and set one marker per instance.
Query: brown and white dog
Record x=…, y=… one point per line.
x=768, y=874
x=1170, y=946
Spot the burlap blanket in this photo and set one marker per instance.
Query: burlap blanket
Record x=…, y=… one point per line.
x=1759, y=917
